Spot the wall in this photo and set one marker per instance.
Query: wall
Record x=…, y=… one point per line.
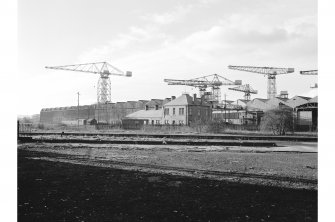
x=177, y=118
x=110, y=113
x=57, y=115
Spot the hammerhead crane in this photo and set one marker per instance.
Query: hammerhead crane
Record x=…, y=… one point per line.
x=104, y=69
x=214, y=81
x=310, y=72
x=271, y=72
x=246, y=89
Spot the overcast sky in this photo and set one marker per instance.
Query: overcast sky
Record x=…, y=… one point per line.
x=158, y=39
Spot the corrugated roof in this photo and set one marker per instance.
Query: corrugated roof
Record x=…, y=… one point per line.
x=313, y=100
x=282, y=99
x=146, y=114
x=263, y=100
x=305, y=97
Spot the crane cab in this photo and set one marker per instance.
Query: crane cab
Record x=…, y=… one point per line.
x=129, y=73
x=238, y=82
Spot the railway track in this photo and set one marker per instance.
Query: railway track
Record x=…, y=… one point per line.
x=182, y=136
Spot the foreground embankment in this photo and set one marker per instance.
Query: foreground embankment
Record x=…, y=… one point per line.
x=63, y=191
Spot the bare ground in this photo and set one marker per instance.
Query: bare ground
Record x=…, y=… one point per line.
x=76, y=182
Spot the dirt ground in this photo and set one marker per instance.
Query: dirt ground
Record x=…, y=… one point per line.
x=76, y=182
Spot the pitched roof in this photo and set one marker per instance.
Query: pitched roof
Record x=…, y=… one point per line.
x=184, y=99
x=243, y=100
x=146, y=114
x=155, y=102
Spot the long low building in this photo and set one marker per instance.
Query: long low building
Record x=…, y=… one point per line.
x=103, y=113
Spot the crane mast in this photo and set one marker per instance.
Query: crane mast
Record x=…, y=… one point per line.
x=104, y=69
x=247, y=89
x=271, y=72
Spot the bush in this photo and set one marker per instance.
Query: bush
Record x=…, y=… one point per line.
x=278, y=121
x=216, y=126
x=41, y=126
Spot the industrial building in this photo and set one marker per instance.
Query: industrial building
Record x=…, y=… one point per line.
x=185, y=110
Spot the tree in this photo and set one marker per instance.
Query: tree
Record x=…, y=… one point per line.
x=279, y=120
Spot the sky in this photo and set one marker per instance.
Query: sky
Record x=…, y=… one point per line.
x=159, y=39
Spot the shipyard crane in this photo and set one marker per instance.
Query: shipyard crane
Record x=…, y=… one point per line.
x=310, y=72
x=214, y=81
x=246, y=89
x=271, y=72
x=103, y=69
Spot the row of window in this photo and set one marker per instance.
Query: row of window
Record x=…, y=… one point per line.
x=166, y=122
x=167, y=111
x=181, y=122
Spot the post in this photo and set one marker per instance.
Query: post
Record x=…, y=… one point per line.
x=293, y=122
x=78, y=110
x=225, y=109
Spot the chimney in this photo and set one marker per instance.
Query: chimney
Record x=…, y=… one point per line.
x=194, y=97
x=173, y=97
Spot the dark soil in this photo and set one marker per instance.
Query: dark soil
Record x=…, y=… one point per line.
x=53, y=191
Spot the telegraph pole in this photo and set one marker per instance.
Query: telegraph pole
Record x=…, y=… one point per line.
x=78, y=110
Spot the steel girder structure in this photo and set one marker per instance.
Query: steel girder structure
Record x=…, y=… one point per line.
x=246, y=89
x=309, y=72
x=271, y=72
x=104, y=69
x=214, y=81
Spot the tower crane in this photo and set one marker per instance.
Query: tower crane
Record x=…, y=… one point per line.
x=271, y=72
x=214, y=81
x=104, y=69
x=246, y=89
x=310, y=72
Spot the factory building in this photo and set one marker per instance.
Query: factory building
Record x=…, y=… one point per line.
x=185, y=110
x=60, y=114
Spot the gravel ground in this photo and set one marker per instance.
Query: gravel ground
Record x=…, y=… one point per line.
x=58, y=191
x=247, y=161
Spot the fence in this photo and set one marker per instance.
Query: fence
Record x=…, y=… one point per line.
x=24, y=127
x=108, y=126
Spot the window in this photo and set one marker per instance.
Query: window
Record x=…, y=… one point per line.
x=181, y=111
x=157, y=122
x=174, y=111
x=146, y=107
x=156, y=107
x=181, y=122
x=152, y=122
x=190, y=111
x=166, y=111
x=173, y=122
